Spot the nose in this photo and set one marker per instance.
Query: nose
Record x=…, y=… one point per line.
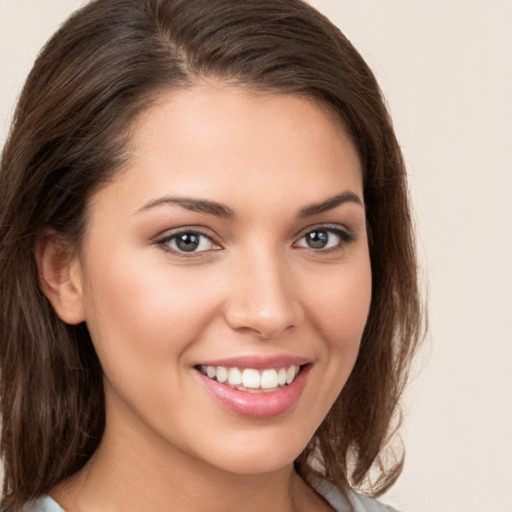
x=262, y=299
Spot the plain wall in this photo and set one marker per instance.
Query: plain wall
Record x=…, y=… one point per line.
x=446, y=70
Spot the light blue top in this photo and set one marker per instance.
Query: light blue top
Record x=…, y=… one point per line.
x=356, y=502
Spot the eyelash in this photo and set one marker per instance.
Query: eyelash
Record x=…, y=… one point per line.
x=168, y=239
x=345, y=237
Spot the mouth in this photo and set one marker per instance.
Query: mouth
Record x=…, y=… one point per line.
x=252, y=380
x=254, y=388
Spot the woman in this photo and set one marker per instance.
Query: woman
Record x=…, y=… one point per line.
x=209, y=291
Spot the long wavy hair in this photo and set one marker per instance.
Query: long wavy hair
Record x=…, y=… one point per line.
x=104, y=67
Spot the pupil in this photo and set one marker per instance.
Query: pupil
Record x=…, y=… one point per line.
x=317, y=239
x=187, y=242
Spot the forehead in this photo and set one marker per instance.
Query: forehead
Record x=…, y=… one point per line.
x=239, y=146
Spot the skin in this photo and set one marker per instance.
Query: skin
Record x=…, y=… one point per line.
x=255, y=287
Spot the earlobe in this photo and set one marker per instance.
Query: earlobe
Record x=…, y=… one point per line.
x=60, y=278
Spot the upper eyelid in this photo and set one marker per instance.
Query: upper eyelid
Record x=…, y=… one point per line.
x=164, y=240
x=201, y=230
x=345, y=236
x=326, y=227
x=170, y=233
x=166, y=236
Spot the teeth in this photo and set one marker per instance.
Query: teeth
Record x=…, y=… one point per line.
x=268, y=379
x=281, y=377
x=290, y=374
x=234, y=377
x=222, y=374
x=250, y=379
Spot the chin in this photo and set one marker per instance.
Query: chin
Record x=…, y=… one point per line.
x=254, y=464
x=256, y=453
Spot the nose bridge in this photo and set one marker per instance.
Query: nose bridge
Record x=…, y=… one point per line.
x=262, y=298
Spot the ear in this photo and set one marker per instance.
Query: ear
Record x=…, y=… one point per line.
x=60, y=277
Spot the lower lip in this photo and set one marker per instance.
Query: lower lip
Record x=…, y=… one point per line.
x=257, y=405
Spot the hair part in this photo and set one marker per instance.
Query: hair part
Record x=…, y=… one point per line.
x=103, y=68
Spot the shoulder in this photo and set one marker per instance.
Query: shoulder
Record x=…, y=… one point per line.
x=44, y=504
x=350, y=501
x=368, y=504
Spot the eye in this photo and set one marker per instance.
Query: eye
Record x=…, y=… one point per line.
x=324, y=238
x=188, y=242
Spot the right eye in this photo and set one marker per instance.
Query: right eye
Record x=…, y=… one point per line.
x=188, y=242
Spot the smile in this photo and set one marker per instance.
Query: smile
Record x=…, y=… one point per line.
x=252, y=380
x=254, y=387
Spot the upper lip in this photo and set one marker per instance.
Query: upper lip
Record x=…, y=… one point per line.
x=258, y=362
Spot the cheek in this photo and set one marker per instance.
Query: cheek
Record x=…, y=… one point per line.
x=338, y=311
x=143, y=319
x=341, y=312
x=340, y=305
x=139, y=312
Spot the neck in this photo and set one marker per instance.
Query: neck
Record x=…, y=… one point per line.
x=132, y=470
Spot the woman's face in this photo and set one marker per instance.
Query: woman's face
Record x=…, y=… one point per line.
x=233, y=246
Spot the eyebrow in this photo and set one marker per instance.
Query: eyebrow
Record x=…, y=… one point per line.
x=329, y=204
x=221, y=210
x=195, y=205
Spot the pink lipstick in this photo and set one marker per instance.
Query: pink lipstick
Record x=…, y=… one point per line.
x=255, y=387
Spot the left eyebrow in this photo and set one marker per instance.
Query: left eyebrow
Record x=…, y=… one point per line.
x=329, y=204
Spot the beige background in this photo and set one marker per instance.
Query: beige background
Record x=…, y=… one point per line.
x=446, y=69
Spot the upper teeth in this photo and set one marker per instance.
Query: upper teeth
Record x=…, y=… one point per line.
x=250, y=378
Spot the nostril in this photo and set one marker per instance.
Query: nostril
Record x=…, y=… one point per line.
x=265, y=322
x=263, y=302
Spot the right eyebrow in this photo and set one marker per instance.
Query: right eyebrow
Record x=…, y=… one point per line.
x=192, y=204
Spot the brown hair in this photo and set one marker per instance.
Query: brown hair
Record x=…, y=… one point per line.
x=105, y=66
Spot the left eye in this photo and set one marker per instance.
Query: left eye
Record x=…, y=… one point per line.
x=322, y=238
x=188, y=241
